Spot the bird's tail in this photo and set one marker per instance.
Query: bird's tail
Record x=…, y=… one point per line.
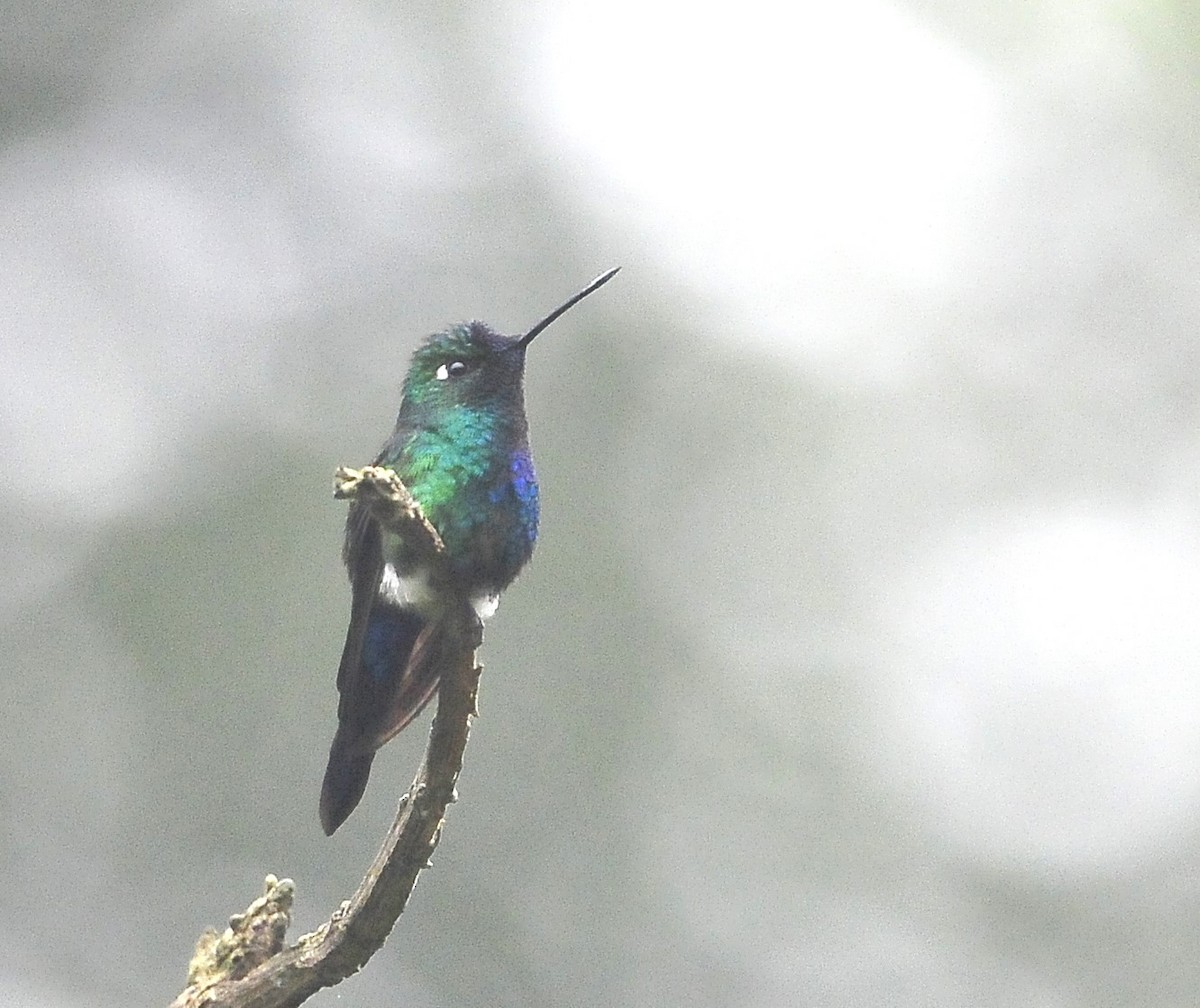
x=388, y=675
x=345, y=781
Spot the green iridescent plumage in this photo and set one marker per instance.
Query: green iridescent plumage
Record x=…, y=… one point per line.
x=439, y=464
x=461, y=446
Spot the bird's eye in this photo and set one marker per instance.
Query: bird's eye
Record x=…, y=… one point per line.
x=454, y=369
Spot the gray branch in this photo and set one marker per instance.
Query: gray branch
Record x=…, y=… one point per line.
x=247, y=966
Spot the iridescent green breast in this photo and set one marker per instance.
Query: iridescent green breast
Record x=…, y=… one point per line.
x=441, y=466
x=479, y=492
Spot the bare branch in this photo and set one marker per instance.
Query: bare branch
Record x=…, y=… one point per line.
x=247, y=967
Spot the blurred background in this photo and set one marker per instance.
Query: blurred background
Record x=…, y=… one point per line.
x=859, y=663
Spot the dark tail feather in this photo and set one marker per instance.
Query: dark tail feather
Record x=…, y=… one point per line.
x=345, y=781
x=389, y=672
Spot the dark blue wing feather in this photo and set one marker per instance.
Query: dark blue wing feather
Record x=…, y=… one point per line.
x=381, y=687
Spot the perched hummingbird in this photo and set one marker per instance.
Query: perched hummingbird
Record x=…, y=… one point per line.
x=461, y=446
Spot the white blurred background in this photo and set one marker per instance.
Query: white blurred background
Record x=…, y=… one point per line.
x=859, y=663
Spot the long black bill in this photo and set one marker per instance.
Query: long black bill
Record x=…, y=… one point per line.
x=600, y=281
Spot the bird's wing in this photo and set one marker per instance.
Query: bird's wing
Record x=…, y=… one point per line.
x=363, y=556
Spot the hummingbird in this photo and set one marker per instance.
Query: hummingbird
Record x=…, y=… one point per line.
x=461, y=446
